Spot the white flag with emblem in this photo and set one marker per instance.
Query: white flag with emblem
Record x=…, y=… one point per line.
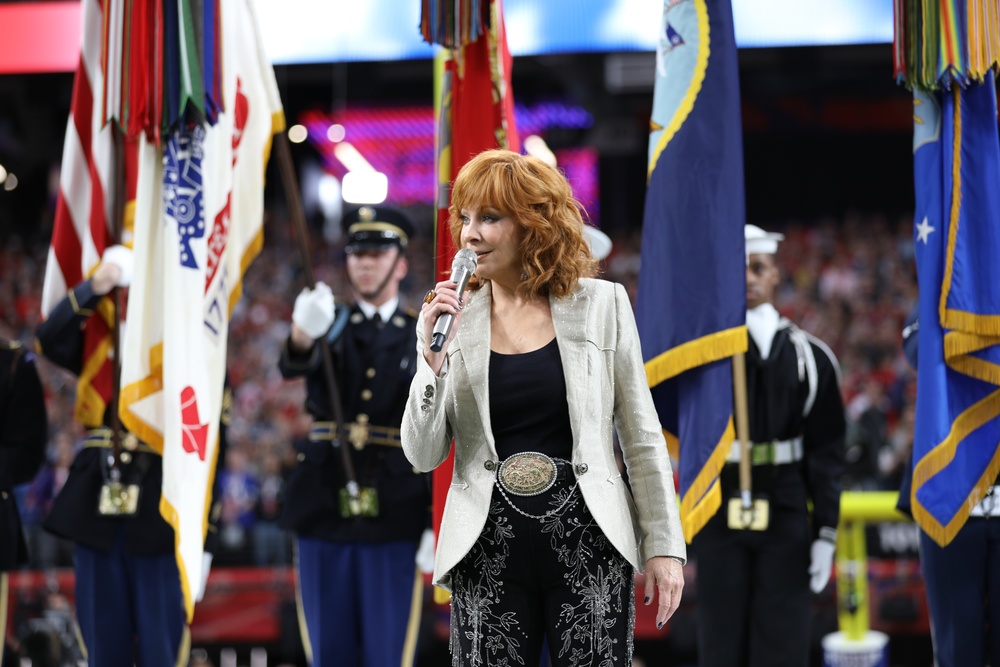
x=198, y=225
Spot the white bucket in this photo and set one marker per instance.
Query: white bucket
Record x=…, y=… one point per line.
x=872, y=650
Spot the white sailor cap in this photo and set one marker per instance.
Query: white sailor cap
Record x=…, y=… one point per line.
x=760, y=242
x=600, y=244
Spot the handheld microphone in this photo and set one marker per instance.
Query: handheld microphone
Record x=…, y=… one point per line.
x=462, y=268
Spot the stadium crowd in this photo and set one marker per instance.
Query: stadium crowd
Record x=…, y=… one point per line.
x=851, y=281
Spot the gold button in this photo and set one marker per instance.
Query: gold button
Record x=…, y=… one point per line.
x=370, y=373
x=125, y=457
x=301, y=457
x=130, y=442
x=366, y=395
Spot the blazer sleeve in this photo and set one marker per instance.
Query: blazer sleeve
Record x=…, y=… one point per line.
x=643, y=445
x=425, y=432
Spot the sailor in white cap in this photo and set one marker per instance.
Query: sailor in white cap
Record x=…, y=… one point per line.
x=754, y=585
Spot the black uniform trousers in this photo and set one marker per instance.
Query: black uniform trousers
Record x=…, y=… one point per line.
x=753, y=592
x=527, y=580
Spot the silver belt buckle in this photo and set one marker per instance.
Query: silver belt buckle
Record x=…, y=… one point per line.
x=527, y=474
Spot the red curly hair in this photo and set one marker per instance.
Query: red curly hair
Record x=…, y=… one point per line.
x=540, y=201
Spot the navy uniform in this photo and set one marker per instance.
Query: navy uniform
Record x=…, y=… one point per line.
x=23, y=431
x=127, y=582
x=753, y=586
x=962, y=578
x=360, y=589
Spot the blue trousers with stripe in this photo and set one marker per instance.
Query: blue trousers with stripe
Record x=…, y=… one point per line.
x=361, y=602
x=130, y=608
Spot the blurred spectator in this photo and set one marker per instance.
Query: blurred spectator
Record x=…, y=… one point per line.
x=49, y=550
x=271, y=543
x=240, y=491
x=867, y=434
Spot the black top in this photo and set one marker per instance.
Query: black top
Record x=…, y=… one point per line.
x=528, y=407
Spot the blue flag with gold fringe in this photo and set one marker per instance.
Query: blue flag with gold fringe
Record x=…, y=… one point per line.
x=956, y=447
x=691, y=305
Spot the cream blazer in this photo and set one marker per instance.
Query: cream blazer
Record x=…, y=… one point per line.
x=606, y=389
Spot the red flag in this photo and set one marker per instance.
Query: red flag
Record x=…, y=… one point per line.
x=476, y=113
x=83, y=219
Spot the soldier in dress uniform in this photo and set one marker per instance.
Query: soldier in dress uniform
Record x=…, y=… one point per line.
x=23, y=430
x=753, y=585
x=129, y=603
x=359, y=580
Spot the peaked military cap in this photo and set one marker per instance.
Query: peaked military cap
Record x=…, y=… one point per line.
x=372, y=227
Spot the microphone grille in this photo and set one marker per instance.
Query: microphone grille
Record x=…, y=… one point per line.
x=465, y=259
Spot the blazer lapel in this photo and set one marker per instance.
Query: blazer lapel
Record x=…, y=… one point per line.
x=474, y=339
x=569, y=317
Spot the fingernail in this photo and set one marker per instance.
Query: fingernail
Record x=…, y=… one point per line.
x=659, y=625
x=461, y=301
x=646, y=601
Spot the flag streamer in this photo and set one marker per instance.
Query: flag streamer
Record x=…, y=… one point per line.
x=938, y=42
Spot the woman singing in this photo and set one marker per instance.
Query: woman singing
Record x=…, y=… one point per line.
x=541, y=535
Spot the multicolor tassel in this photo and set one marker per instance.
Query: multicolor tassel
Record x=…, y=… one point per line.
x=938, y=42
x=453, y=23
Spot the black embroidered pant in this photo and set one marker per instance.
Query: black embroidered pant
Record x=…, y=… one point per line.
x=530, y=579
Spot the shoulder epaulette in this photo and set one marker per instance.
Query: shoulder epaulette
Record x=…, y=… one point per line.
x=9, y=344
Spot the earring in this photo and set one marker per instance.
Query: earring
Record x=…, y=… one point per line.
x=524, y=274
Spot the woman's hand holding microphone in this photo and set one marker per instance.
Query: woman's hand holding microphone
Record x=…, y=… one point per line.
x=444, y=299
x=443, y=308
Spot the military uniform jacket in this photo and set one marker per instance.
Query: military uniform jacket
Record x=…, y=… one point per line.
x=373, y=369
x=23, y=431
x=777, y=395
x=74, y=514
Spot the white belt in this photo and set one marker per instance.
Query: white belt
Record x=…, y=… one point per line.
x=989, y=505
x=775, y=452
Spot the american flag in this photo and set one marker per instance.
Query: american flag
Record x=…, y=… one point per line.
x=83, y=219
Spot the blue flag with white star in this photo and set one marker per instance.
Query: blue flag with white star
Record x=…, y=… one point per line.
x=956, y=447
x=691, y=304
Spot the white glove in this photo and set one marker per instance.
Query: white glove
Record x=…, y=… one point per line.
x=820, y=564
x=313, y=311
x=425, y=552
x=206, y=567
x=121, y=257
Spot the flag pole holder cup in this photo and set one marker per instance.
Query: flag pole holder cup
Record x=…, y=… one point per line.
x=748, y=512
x=871, y=650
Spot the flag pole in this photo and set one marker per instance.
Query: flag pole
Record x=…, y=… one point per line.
x=117, y=223
x=742, y=425
x=745, y=512
x=302, y=235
